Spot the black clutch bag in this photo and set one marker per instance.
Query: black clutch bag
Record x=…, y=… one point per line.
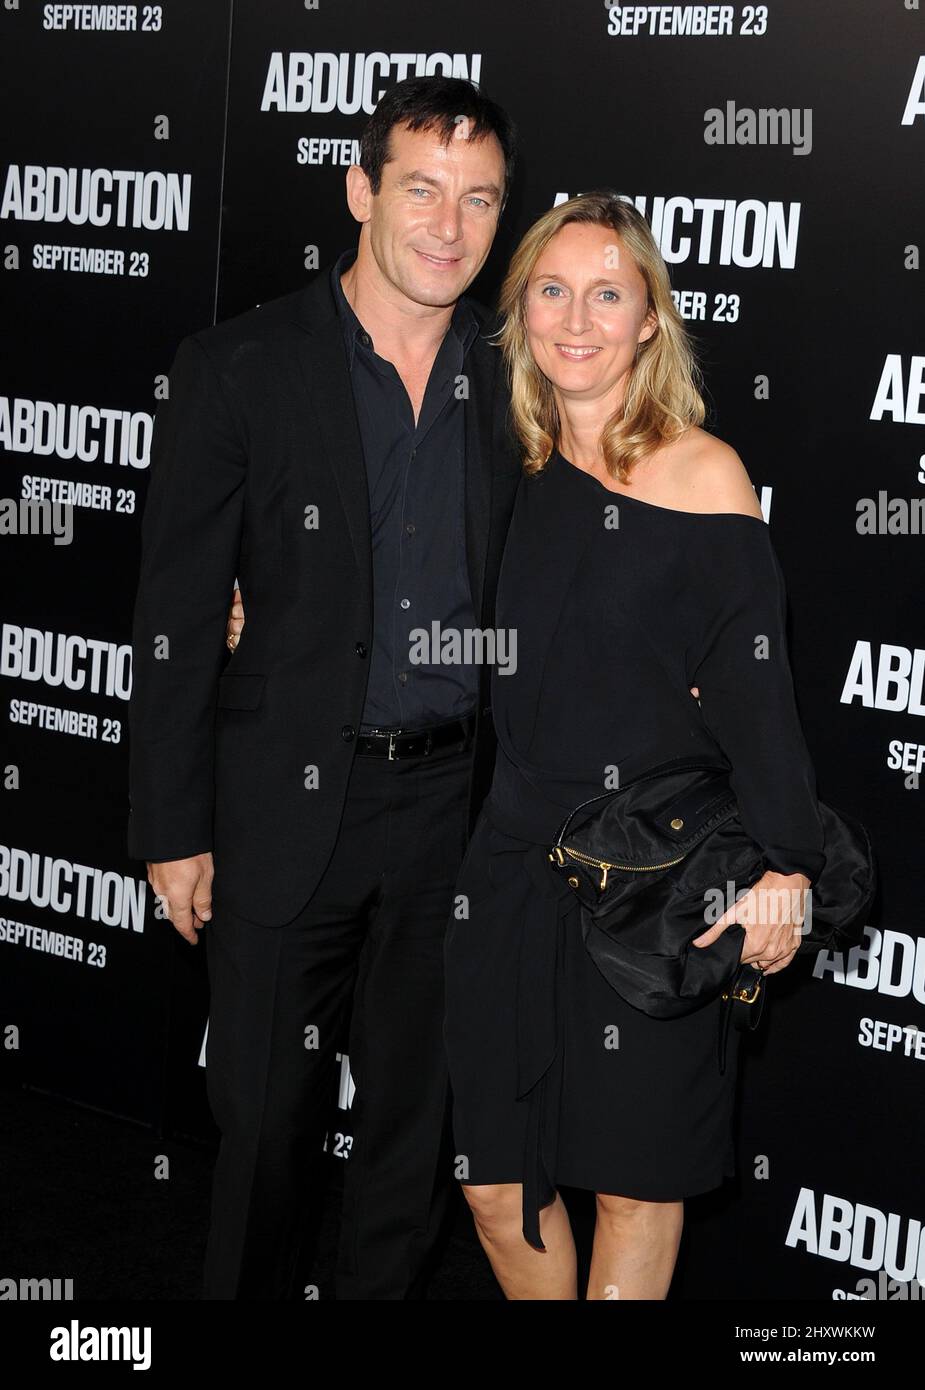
x=646, y=864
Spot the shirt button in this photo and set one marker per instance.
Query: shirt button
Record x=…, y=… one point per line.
x=360, y=649
x=403, y=677
x=406, y=603
x=366, y=340
x=347, y=732
x=410, y=528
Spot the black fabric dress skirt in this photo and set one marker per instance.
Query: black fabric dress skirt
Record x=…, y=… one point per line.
x=614, y=615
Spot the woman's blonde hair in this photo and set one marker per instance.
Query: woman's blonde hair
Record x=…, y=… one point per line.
x=662, y=397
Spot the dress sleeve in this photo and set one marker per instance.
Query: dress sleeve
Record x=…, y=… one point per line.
x=740, y=662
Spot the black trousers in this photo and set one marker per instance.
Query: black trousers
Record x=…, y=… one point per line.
x=372, y=934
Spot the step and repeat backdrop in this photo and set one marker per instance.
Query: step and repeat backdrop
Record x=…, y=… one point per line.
x=169, y=165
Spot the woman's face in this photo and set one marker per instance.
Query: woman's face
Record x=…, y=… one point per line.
x=586, y=312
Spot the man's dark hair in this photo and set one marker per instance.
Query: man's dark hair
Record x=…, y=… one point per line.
x=435, y=103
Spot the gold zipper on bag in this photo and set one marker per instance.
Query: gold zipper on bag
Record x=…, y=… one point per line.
x=560, y=850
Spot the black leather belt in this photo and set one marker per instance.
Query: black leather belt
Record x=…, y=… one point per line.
x=416, y=743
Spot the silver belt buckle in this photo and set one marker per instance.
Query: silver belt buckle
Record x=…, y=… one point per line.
x=392, y=737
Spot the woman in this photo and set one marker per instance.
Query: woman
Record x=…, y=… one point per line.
x=637, y=565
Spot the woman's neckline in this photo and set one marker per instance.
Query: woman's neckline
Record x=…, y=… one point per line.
x=653, y=506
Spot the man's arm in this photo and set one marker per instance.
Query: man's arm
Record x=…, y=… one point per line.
x=190, y=538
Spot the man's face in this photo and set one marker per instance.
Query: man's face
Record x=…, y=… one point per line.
x=433, y=221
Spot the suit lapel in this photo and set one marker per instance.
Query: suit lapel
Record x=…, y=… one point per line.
x=323, y=365
x=478, y=410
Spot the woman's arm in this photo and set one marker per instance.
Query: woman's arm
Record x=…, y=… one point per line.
x=741, y=663
x=747, y=697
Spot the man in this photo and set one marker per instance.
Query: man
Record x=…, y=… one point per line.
x=345, y=451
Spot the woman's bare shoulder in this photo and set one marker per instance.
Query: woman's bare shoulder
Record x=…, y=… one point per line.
x=707, y=475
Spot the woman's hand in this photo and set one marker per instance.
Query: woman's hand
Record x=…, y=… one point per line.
x=772, y=913
x=235, y=625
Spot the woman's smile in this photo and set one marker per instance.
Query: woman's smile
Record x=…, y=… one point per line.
x=576, y=354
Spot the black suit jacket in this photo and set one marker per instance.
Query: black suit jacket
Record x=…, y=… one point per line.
x=248, y=755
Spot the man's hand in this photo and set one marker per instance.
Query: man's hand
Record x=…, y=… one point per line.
x=184, y=886
x=235, y=624
x=772, y=913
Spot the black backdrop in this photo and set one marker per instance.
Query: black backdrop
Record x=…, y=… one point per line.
x=235, y=123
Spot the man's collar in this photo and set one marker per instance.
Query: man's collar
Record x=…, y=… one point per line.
x=463, y=324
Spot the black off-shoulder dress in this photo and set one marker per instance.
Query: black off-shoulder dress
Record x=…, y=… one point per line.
x=615, y=608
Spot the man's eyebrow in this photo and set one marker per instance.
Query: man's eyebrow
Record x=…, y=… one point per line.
x=418, y=176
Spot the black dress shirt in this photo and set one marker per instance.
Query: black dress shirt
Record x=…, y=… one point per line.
x=416, y=478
